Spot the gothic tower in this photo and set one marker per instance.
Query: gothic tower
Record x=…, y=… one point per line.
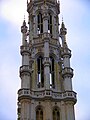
x=46, y=76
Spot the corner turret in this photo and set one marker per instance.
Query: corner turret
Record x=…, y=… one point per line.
x=67, y=71
x=63, y=32
x=24, y=32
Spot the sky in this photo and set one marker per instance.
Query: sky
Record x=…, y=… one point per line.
x=76, y=15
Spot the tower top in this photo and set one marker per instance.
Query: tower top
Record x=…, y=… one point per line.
x=24, y=22
x=63, y=30
x=62, y=25
x=24, y=27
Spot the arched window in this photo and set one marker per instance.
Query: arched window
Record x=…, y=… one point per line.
x=40, y=72
x=50, y=23
x=56, y=114
x=40, y=23
x=52, y=83
x=39, y=114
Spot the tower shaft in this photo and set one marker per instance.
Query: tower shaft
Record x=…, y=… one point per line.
x=46, y=76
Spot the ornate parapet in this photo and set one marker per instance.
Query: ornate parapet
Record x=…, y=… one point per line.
x=42, y=94
x=31, y=3
x=37, y=40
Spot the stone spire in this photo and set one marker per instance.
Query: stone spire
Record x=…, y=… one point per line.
x=24, y=31
x=63, y=32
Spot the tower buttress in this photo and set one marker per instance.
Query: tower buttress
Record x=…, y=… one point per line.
x=25, y=76
x=46, y=76
x=24, y=69
x=67, y=72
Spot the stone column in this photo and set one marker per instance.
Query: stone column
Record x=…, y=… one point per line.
x=25, y=68
x=45, y=20
x=25, y=83
x=46, y=49
x=33, y=112
x=63, y=111
x=67, y=83
x=70, y=111
x=48, y=111
x=46, y=63
x=66, y=56
x=25, y=109
x=34, y=25
x=25, y=59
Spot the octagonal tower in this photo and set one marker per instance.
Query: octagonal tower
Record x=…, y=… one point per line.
x=46, y=91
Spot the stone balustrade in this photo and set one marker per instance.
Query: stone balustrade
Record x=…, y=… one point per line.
x=67, y=95
x=43, y=38
x=53, y=41
x=46, y=35
x=30, y=4
x=38, y=40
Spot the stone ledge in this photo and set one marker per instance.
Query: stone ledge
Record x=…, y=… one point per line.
x=67, y=95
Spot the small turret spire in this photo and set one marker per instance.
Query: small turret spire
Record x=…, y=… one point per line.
x=24, y=22
x=24, y=31
x=63, y=32
x=58, y=1
x=24, y=16
x=27, y=1
x=45, y=3
x=62, y=18
x=63, y=25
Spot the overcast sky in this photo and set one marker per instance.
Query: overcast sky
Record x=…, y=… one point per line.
x=76, y=14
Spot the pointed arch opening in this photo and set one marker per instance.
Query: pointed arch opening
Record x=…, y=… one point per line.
x=40, y=23
x=56, y=114
x=40, y=71
x=52, y=81
x=39, y=114
x=50, y=23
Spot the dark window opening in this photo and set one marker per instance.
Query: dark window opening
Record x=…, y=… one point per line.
x=50, y=23
x=56, y=114
x=40, y=23
x=52, y=83
x=39, y=114
x=40, y=72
